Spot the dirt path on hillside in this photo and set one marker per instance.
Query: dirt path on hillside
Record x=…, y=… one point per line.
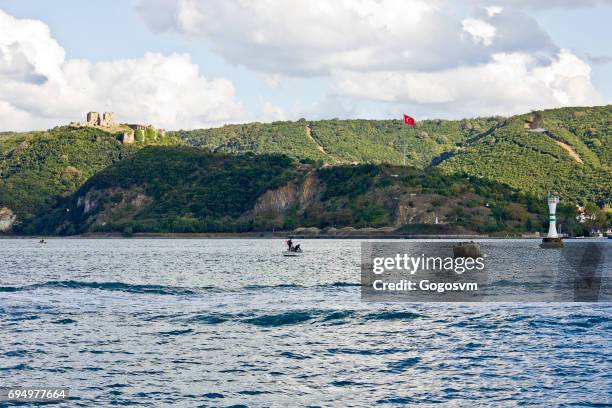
x=570, y=151
x=309, y=134
x=321, y=149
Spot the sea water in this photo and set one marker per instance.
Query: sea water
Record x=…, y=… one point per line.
x=225, y=322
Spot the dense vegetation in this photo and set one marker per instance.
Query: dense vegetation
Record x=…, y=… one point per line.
x=496, y=148
x=341, y=141
x=413, y=199
x=536, y=163
x=483, y=174
x=182, y=189
x=38, y=168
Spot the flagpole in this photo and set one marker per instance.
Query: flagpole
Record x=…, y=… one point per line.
x=410, y=122
x=405, y=136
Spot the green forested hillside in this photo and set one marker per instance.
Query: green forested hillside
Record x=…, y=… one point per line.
x=537, y=162
x=37, y=168
x=498, y=149
x=484, y=174
x=164, y=189
x=342, y=141
x=183, y=189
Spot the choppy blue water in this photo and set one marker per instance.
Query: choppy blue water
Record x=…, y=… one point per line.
x=230, y=322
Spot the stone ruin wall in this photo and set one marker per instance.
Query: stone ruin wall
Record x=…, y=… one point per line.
x=93, y=118
x=107, y=120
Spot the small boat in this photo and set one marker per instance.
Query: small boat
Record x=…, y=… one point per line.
x=42, y=241
x=299, y=252
x=291, y=249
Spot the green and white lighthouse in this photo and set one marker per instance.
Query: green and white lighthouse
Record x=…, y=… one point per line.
x=553, y=200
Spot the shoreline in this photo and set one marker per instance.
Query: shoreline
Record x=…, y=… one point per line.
x=271, y=235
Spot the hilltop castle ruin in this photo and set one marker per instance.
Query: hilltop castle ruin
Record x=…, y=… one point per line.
x=107, y=119
x=127, y=131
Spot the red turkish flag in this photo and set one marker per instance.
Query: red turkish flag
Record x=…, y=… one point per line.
x=409, y=120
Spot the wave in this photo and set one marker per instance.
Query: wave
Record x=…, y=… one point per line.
x=158, y=289
x=589, y=320
x=273, y=320
x=64, y=321
x=300, y=316
x=18, y=317
x=209, y=318
x=253, y=392
x=338, y=315
x=296, y=286
x=344, y=383
x=295, y=356
x=392, y=316
x=18, y=367
x=343, y=284
x=21, y=353
x=109, y=286
x=280, y=286
x=175, y=332
x=506, y=283
x=122, y=287
x=367, y=351
x=282, y=319
x=213, y=395
x=402, y=365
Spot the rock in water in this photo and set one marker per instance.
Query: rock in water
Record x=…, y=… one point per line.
x=467, y=250
x=551, y=243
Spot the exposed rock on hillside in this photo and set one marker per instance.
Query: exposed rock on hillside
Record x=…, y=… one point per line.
x=283, y=198
x=112, y=205
x=7, y=219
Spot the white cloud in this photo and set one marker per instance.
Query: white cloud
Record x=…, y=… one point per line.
x=510, y=83
x=481, y=31
x=271, y=112
x=40, y=88
x=272, y=80
x=316, y=37
x=329, y=107
x=493, y=10
x=547, y=4
x=497, y=60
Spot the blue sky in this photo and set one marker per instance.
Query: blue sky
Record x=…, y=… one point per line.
x=450, y=60
x=586, y=31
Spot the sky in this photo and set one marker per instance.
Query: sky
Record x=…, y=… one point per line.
x=184, y=64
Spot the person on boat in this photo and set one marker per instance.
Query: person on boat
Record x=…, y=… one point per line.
x=289, y=244
x=297, y=248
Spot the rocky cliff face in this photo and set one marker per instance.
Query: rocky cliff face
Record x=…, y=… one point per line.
x=7, y=219
x=277, y=201
x=283, y=198
x=89, y=201
x=102, y=206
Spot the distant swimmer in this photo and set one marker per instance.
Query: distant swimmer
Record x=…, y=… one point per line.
x=42, y=241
